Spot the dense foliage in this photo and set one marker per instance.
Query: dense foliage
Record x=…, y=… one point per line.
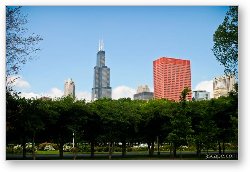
x=209, y=124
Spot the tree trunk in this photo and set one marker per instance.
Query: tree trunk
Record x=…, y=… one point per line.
x=152, y=149
x=61, y=150
x=123, y=148
x=181, y=152
x=198, y=153
x=33, y=148
x=75, y=152
x=158, y=146
x=24, y=148
x=223, y=147
x=170, y=149
x=149, y=144
x=110, y=149
x=174, y=150
x=219, y=148
x=92, y=147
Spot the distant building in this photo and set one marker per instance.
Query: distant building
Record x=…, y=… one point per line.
x=45, y=98
x=171, y=76
x=101, y=86
x=201, y=95
x=222, y=85
x=69, y=88
x=143, y=93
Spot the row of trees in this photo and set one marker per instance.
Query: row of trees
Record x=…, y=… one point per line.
x=200, y=123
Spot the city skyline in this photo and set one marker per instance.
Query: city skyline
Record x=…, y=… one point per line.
x=134, y=37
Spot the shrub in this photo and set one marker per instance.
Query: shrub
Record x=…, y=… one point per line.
x=67, y=148
x=117, y=149
x=29, y=148
x=18, y=149
x=84, y=147
x=49, y=147
x=129, y=149
x=10, y=148
x=165, y=148
x=41, y=146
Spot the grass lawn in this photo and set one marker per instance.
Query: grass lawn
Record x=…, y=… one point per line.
x=143, y=155
x=51, y=152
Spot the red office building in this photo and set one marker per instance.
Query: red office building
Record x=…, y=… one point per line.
x=171, y=76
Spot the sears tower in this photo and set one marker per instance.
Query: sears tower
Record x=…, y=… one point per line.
x=101, y=86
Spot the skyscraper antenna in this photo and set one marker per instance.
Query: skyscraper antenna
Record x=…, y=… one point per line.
x=102, y=45
x=99, y=47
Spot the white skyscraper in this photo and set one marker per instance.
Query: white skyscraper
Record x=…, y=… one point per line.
x=222, y=85
x=69, y=88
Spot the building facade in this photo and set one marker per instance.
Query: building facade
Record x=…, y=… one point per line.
x=101, y=86
x=69, y=88
x=222, y=85
x=201, y=95
x=143, y=93
x=171, y=76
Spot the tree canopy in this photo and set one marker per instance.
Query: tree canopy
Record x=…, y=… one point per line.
x=225, y=40
x=204, y=124
x=20, y=44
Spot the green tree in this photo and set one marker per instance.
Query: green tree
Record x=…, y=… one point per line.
x=92, y=128
x=225, y=40
x=203, y=125
x=79, y=115
x=24, y=121
x=181, y=123
x=127, y=121
x=59, y=128
x=155, y=122
x=233, y=99
x=222, y=116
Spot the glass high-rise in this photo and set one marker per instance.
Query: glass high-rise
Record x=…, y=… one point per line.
x=201, y=95
x=143, y=93
x=101, y=86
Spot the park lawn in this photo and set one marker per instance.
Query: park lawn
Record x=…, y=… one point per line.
x=57, y=152
x=51, y=152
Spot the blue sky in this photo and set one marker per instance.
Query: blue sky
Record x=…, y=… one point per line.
x=134, y=37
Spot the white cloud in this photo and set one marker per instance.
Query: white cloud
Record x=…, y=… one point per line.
x=54, y=92
x=30, y=95
x=206, y=85
x=84, y=95
x=123, y=92
x=18, y=82
x=151, y=89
